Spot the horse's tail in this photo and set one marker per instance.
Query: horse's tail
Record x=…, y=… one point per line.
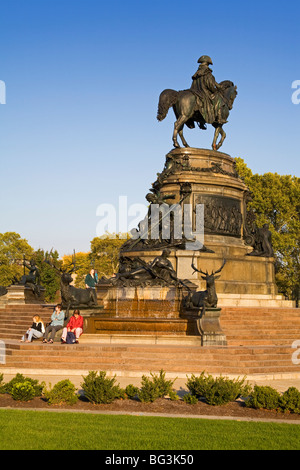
x=167, y=99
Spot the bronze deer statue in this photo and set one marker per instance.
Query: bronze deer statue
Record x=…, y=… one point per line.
x=208, y=298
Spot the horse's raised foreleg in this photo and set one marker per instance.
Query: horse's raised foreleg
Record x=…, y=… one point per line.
x=223, y=134
x=214, y=144
x=219, y=130
x=178, y=127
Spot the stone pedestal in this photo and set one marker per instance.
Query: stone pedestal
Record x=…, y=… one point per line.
x=191, y=178
x=212, y=181
x=22, y=295
x=210, y=329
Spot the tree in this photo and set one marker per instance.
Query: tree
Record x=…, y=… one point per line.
x=276, y=201
x=49, y=278
x=83, y=266
x=105, y=252
x=103, y=257
x=13, y=249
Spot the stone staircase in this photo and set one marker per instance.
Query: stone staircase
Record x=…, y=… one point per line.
x=251, y=326
x=16, y=319
x=259, y=342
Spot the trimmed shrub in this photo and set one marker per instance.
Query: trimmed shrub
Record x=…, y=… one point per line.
x=158, y=387
x=23, y=391
x=263, y=398
x=2, y=390
x=19, y=378
x=217, y=391
x=225, y=390
x=99, y=389
x=198, y=386
x=131, y=391
x=149, y=391
x=190, y=399
x=290, y=401
x=62, y=393
x=173, y=395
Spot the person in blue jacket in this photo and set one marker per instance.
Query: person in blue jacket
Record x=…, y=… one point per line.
x=57, y=323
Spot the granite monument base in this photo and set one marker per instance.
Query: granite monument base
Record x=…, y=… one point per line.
x=22, y=295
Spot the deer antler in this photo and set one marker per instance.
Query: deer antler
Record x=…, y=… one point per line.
x=196, y=269
x=73, y=263
x=74, y=260
x=193, y=266
x=219, y=270
x=48, y=261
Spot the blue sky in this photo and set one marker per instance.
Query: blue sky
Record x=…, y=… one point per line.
x=83, y=78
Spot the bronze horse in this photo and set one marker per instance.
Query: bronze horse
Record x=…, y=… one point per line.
x=187, y=111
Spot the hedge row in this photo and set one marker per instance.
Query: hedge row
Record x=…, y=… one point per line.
x=100, y=389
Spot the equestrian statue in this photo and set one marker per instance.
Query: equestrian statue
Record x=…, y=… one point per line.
x=206, y=102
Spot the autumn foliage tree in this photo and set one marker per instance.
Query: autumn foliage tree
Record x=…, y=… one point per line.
x=13, y=249
x=276, y=201
x=105, y=252
x=103, y=257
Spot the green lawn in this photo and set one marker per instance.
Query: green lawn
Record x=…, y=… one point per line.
x=24, y=430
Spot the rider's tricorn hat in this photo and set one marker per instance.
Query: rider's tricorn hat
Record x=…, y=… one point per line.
x=205, y=58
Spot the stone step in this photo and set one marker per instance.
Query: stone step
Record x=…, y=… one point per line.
x=168, y=366
x=17, y=324
x=143, y=362
x=68, y=352
x=234, y=308
x=144, y=350
x=260, y=323
x=256, y=303
x=26, y=311
x=259, y=313
x=254, y=300
x=21, y=318
x=259, y=318
x=132, y=348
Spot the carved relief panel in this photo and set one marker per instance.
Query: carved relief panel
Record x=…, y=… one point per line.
x=222, y=215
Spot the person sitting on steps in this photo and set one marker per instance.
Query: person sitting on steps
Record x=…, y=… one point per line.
x=57, y=323
x=75, y=325
x=36, y=330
